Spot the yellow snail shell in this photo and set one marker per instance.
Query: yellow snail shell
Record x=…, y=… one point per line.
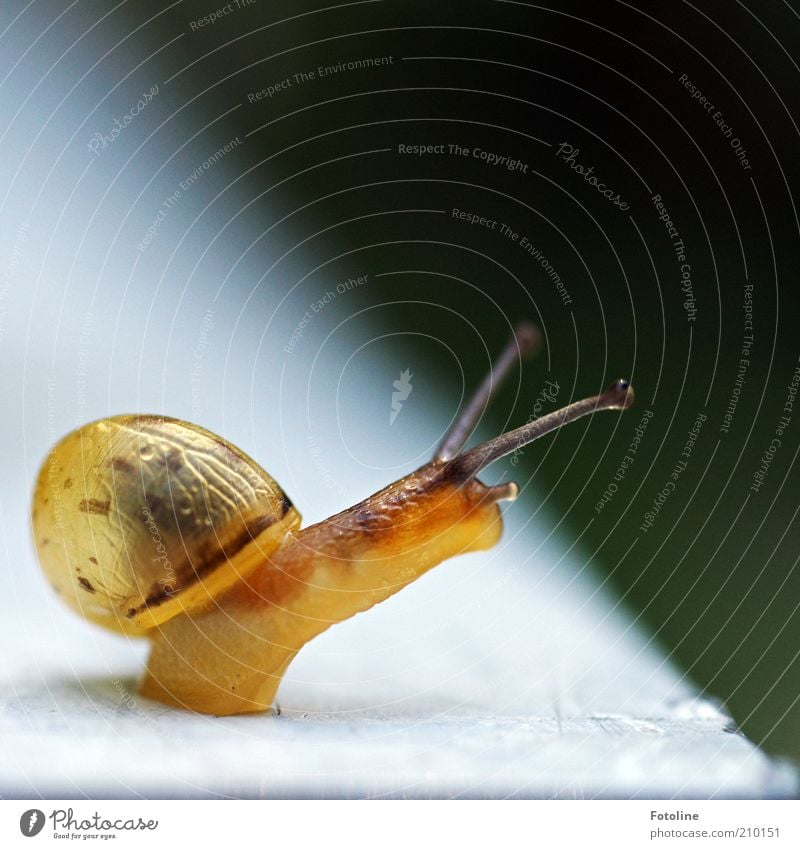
x=138, y=518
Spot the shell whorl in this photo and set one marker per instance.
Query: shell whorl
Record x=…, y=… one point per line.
x=138, y=518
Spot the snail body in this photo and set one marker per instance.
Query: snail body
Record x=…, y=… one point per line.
x=155, y=527
x=320, y=575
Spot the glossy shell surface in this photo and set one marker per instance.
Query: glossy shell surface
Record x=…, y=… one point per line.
x=138, y=518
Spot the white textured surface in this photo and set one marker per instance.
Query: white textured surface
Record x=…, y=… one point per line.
x=87, y=739
x=496, y=675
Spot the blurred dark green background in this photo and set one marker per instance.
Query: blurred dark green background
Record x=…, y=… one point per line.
x=714, y=577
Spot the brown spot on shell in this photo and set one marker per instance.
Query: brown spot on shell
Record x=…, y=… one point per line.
x=45, y=541
x=68, y=483
x=93, y=560
x=174, y=460
x=120, y=464
x=286, y=504
x=94, y=505
x=86, y=584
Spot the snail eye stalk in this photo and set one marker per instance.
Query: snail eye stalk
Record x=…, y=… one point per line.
x=525, y=342
x=618, y=396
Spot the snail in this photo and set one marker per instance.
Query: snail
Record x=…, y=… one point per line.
x=155, y=527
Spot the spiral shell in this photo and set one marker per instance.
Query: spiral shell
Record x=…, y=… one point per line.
x=138, y=518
